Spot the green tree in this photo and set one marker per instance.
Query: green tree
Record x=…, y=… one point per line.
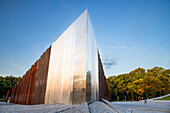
x=7, y=83
x=138, y=83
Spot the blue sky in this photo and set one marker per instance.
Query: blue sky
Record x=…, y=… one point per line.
x=129, y=33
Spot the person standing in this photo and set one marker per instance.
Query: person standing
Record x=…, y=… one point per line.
x=145, y=101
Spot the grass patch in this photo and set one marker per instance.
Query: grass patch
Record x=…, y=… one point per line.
x=165, y=98
x=122, y=101
x=4, y=99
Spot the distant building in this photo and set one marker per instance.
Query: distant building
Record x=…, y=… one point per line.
x=69, y=72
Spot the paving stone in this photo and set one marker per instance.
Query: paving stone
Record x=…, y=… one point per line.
x=100, y=107
x=43, y=108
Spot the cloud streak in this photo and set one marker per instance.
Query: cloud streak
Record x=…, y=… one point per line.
x=109, y=62
x=129, y=49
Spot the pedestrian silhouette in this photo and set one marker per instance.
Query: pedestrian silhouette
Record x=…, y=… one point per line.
x=145, y=101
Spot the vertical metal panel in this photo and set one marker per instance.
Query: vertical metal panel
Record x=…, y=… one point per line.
x=32, y=85
x=29, y=84
x=92, y=81
x=17, y=91
x=103, y=88
x=20, y=95
x=7, y=96
x=26, y=86
x=41, y=80
x=12, y=95
x=66, y=81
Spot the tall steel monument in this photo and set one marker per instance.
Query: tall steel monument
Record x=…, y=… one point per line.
x=69, y=72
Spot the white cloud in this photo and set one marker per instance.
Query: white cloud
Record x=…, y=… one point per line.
x=129, y=49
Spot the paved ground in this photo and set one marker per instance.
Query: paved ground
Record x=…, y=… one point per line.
x=100, y=107
x=140, y=107
x=53, y=108
x=95, y=107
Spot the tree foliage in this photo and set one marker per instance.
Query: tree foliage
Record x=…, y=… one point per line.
x=7, y=83
x=140, y=84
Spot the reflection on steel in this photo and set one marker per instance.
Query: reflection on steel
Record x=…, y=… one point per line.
x=73, y=56
x=68, y=72
x=103, y=88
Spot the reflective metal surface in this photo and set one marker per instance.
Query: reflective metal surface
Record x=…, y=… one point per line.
x=73, y=66
x=67, y=67
x=92, y=81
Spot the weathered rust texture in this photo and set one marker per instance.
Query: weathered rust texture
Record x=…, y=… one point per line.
x=25, y=87
x=7, y=96
x=103, y=88
x=32, y=83
x=41, y=81
x=17, y=91
x=29, y=84
x=20, y=97
x=13, y=94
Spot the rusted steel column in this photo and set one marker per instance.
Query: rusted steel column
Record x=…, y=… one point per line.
x=7, y=96
x=17, y=91
x=41, y=81
x=20, y=97
x=25, y=87
x=32, y=84
x=13, y=94
x=29, y=85
x=15, y=87
x=103, y=88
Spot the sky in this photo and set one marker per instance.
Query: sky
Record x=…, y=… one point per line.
x=129, y=33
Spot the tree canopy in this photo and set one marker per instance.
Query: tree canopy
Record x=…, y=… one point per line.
x=140, y=84
x=7, y=83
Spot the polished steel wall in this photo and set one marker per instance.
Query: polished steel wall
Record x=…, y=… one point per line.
x=66, y=82
x=73, y=67
x=92, y=80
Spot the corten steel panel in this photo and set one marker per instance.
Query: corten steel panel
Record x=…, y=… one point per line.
x=101, y=73
x=41, y=81
x=25, y=87
x=13, y=94
x=32, y=84
x=67, y=67
x=7, y=96
x=103, y=88
x=29, y=84
x=22, y=92
x=17, y=91
x=20, y=96
x=92, y=80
